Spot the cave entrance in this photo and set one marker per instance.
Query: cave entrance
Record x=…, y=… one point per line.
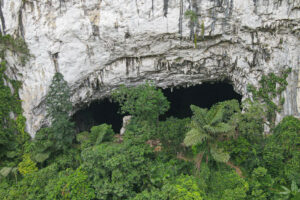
x=204, y=96
x=98, y=112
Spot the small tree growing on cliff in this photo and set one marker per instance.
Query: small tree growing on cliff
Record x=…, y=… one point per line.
x=192, y=16
x=59, y=136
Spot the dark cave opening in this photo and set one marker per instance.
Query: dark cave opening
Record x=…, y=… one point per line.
x=99, y=112
x=204, y=95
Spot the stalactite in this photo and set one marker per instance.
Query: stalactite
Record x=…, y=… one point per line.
x=2, y=19
x=166, y=5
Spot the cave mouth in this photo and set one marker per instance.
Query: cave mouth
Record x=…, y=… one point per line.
x=98, y=112
x=204, y=95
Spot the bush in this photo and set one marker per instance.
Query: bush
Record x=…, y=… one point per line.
x=281, y=153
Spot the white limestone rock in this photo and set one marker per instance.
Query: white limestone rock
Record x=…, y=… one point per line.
x=99, y=44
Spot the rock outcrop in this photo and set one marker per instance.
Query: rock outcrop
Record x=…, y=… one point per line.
x=99, y=44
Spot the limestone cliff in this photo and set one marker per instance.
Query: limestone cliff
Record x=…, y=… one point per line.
x=99, y=44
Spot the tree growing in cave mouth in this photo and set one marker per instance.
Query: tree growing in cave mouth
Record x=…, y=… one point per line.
x=204, y=95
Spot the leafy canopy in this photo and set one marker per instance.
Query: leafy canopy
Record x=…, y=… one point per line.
x=145, y=102
x=210, y=126
x=59, y=136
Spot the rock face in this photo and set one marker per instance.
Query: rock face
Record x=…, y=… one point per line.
x=99, y=44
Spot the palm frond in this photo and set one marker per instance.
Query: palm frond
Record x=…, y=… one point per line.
x=215, y=114
x=219, y=155
x=194, y=137
x=219, y=128
x=199, y=115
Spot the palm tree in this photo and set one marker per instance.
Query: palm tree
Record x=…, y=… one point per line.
x=208, y=127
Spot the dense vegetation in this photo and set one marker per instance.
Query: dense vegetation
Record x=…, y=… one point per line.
x=218, y=153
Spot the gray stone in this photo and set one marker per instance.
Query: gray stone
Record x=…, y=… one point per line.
x=99, y=44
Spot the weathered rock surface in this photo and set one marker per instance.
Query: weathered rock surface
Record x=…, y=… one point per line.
x=99, y=44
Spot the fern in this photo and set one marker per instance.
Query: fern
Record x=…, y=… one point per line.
x=208, y=127
x=194, y=137
x=219, y=155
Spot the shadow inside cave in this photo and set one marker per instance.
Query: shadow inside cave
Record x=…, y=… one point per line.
x=204, y=95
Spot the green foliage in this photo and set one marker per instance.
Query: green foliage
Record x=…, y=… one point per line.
x=261, y=184
x=144, y=101
x=227, y=185
x=192, y=16
x=186, y=188
x=208, y=127
x=59, y=136
x=32, y=186
x=153, y=194
x=281, y=153
x=4, y=188
x=27, y=166
x=7, y=171
x=246, y=149
x=292, y=193
x=121, y=171
x=183, y=188
x=58, y=98
x=12, y=123
x=98, y=134
x=70, y=184
x=202, y=29
x=271, y=87
x=15, y=45
x=165, y=170
x=171, y=133
x=96, y=166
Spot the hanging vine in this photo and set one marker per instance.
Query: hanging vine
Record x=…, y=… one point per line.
x=271, y=87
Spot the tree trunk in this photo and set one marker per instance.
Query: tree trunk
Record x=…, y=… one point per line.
x=198, y=161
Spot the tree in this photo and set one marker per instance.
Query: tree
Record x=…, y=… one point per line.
x=98, y=135
x=171, y=134
x=271, y=88
x=59, y=136
x=12, y=123
x=118, y=171
x=260, y=184
x=208, y=127
x=70, y=184
x=227, y=185
x=144, y=101
x=281, y=153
